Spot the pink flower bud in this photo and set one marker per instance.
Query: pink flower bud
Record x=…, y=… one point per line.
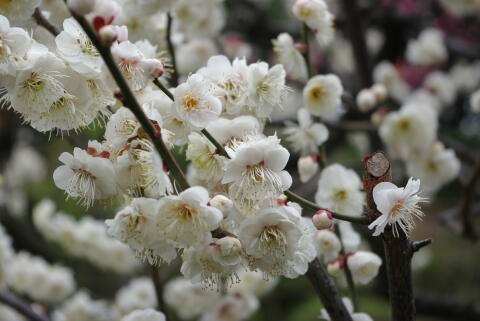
x=301, y=47
x=154, y=68
x=334, y=268
x=323, y=219
x=380, y=92
x=104, y=13
x=366, y=100
x=307, y=167
x=108, y=34
x=81, y=7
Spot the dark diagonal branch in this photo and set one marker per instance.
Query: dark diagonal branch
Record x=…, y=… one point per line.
x=21, y=307
x=327, y=291
x=45, y=23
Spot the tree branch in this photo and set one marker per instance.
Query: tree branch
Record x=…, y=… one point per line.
x=306, y=53
x=44, y=22
x=158, y=285
x=327, y=291
x=171, y=51
x=417, y=245
x=357, y=37
x=21, y=307
x=398, y=250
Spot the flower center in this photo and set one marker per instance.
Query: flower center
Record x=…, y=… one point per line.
x=317, y=93
x=273, y=241
x=399, y=205
x=404, y=125
x=34, y=83
x=190, y=103
x=87, y=47
x=185, y=212
x=340, y=195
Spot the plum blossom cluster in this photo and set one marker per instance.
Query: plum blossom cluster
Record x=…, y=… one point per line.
x=85, y=239
x=239, y=303
x=32, y=276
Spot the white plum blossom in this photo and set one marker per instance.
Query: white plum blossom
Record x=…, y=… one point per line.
x=475, y=101
x=322, y=96
x=231, y=78
x=129, y=58
x=279, y=241
x=339, y=190
x=214, y=262
x=193, y=54
x=235, y=305
x=307, y=136
x=188, y=299
x=205, y=158
x=315, y=14
x=139, y=293
x=187, y=219
x=428, y=49
x=307, y=167
x=144, y=315
x=19, y=9
x=77, y=49
x=441, y=86
x=85, y=176
x=436, y=168
x=266, y=88
x=356, y=316
x=195, y=102
x=409, y=131
x=290, y=57
x=136, y=226
x=328, y=244
x=82, y=307
x=14, y=45
x=256, y=171
x=386, y=73
x=398, y=206
x=364, y=266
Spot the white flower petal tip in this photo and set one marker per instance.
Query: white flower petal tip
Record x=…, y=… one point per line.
x=399, y=206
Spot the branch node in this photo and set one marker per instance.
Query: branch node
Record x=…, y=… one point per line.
x=417, y=245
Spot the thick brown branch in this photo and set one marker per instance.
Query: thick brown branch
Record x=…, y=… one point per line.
x=171, y=51
x=44, y=22
x=21, y=307
x=398, y=250
x=327, y=291
x=468, y=225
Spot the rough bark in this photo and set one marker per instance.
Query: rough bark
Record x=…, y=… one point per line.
x=398, y=250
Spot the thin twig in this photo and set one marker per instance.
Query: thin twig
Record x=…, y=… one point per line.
x=21, y=307
x=44, y=22
x=327, y=291
x=417, y=245
x=158, y=285
x=348, y=273
x=171, y=51
x=163, y=88
x=306, y=52
x=306, y=203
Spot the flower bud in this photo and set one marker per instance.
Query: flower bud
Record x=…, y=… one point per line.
x=104, y=13
x=307, y=167
x=107, y=35
x=335, y=268
x=366, y=100
x=380, y=92
x=229, y=246
x=81, y=7
x=322, y=219
x=221, y=202
x=154, y=68
x=378, y=116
